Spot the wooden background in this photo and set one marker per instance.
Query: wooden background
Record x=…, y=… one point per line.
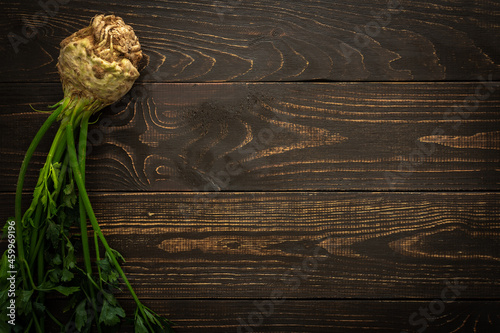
x=343, y=156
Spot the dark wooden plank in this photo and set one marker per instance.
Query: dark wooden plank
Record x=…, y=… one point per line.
x=240, y=316
x=271, y=40
x=267, y=136
x=309, y=245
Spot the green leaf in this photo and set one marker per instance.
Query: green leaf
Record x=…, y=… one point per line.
x=69, y=197
x=56, y=260
x=27, y=216
x=55, y=275
x=25, y=295
x=109, y=272
x=66, y=291
x=111, y=276
x=61, y=214
x=72, y=302
x=67, y=275
x=70, y=260
x=54, y=173
x=52, y=204
x=104, y=265
x=151, y=316
x=37, y=193
x=47, y=285
x=6, y=227
x=110, y=314
x=52, y=233
x=23, y=301
x=116, y=254
x=39, y=307
x=139, y=326
x=81, y=315
x=69, y=188
x=110, y=298
x=43, y=199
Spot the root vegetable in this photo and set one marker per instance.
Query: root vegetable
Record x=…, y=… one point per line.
x=98, y=65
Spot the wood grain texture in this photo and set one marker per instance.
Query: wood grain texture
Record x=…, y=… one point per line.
x=271, y=136
x=307, y=245
x=320, y=316
x=342, y=153
x=202, y=41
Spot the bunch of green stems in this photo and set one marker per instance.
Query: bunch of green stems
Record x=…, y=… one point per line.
x=44, y=223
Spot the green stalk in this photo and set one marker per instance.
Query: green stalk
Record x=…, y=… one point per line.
x=42, y=181
x=62, y=174
x=98, y=257
x=82, y=152
x=61, y=149
x=43, y=176
x=34, y=235
x=58, y=323
x=20, y=183
x=82, y=142
x=38, y=245
x=28, y=273
x=41, y=294
x=25, y=271
x=37, y=324
x=90, y=212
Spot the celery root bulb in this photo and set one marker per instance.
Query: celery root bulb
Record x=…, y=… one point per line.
x=100, y=62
